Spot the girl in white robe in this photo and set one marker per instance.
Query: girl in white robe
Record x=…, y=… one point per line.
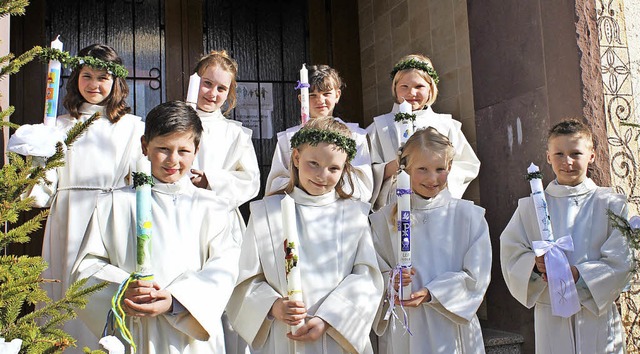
x=194, y=257
x=226, y=162
x=451, y=259
x=324, y=93
x=100, y=160
x=414, y=81
x=341, y=283
x=601, y=255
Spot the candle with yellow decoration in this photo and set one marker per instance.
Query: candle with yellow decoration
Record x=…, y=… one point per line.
x=143, y=182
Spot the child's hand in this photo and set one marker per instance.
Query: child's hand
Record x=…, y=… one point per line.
x=311, y=331
x=540, y=265
x=390, y=169
x=139, y=291
x=406, y=278
x=199, y=179
x=142, y=300
x=288, y=311
x=417, y=298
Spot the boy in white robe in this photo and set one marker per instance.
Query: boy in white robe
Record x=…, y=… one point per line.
x=415, y=81
x=600, y=262
x=324, y=93
x=341, y=283
x=451, y=259
x=194, y=257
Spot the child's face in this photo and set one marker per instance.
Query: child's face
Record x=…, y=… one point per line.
x=569, y=156
x=171, y=155
x=214, y=88
x=414, y=89
x=319, y=167
x=429, y=172
x=322, y=103
x=94, y=84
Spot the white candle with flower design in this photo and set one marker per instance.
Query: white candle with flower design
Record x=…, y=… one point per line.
x=304, y=94
x=404, y=126
x=53, y=87
x=143, y=181
x=292, y=252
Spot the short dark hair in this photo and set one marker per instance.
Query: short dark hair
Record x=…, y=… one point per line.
x=324, y=78
x=171, y=117
x=571, y=126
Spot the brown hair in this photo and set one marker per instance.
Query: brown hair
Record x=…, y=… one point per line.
x=432, y=85
x=333, y=125
x=324, y=78
x=571, y=126
x=115, y=104
x=222, y=60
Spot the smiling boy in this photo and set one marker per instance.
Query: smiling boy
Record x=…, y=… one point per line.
x=194, y=257
x=600, y=262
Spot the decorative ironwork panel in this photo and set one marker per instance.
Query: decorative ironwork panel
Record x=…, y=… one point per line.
x=134, y=28
x=622, y=137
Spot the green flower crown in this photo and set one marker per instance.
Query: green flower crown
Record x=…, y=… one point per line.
x=399, y=117
x=533, y=175
x=315, y=136
x=67, y=60
x=416, y=64
x=141, y=178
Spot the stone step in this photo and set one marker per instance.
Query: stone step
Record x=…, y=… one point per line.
x=501, y=342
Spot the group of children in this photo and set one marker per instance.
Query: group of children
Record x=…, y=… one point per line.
x=343, y=181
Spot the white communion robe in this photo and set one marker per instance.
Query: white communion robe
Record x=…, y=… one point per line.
x=228, y=159
x=193, y=256
x=341, y=282
x=385, y=142
x=362, y=175
x=451, y=253
x=100, y=160
x=601, y=254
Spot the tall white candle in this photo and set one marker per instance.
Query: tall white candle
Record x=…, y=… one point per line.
x=540, y=202
x=304, y=94
x=405, y=127
x=294, y=281
x=194, y=90
x=53, y=87
x=143, y=219
x=403, y=240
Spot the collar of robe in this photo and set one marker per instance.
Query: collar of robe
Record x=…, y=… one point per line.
x=210, y=116
x=557, y=190
x=443, y=198
x=176, y=188
x=88, y=109
x=302, y=197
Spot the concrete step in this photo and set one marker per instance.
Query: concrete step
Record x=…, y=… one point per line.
x=501, y=342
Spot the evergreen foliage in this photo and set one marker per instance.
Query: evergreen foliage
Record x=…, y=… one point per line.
x=20, y=276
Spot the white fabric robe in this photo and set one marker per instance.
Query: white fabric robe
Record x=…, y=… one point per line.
x=101, y=159
x=451, y=252
x=384, y=140
x=228, y=159
x=341, y=282
x=193, y=256
x=362, y=175
x=601, y=255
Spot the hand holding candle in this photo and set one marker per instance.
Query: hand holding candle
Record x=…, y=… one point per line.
x=304, y=94
x=403, y=240
x=292, y=252
x=194, y=90
x=53, y=87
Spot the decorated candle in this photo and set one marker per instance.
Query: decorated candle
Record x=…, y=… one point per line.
x=292, y=252
x=53, y=87
x=304, y=94
x=405, y=127
x=540, y=202
x=142, y=181
x=194, y=89
x=403, y=240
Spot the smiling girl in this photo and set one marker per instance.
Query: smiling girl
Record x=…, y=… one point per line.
x=451, y=260
x=415, y=81
x=341, y=283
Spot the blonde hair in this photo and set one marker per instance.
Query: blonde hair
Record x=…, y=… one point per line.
x=428, y=140
x=222, y=60
x=332, y=125
x=432, y=85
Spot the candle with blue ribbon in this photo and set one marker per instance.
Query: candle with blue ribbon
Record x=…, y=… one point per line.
x=303, y=85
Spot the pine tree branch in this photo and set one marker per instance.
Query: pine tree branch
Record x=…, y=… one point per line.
x=12, y=7
x=14, y=65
